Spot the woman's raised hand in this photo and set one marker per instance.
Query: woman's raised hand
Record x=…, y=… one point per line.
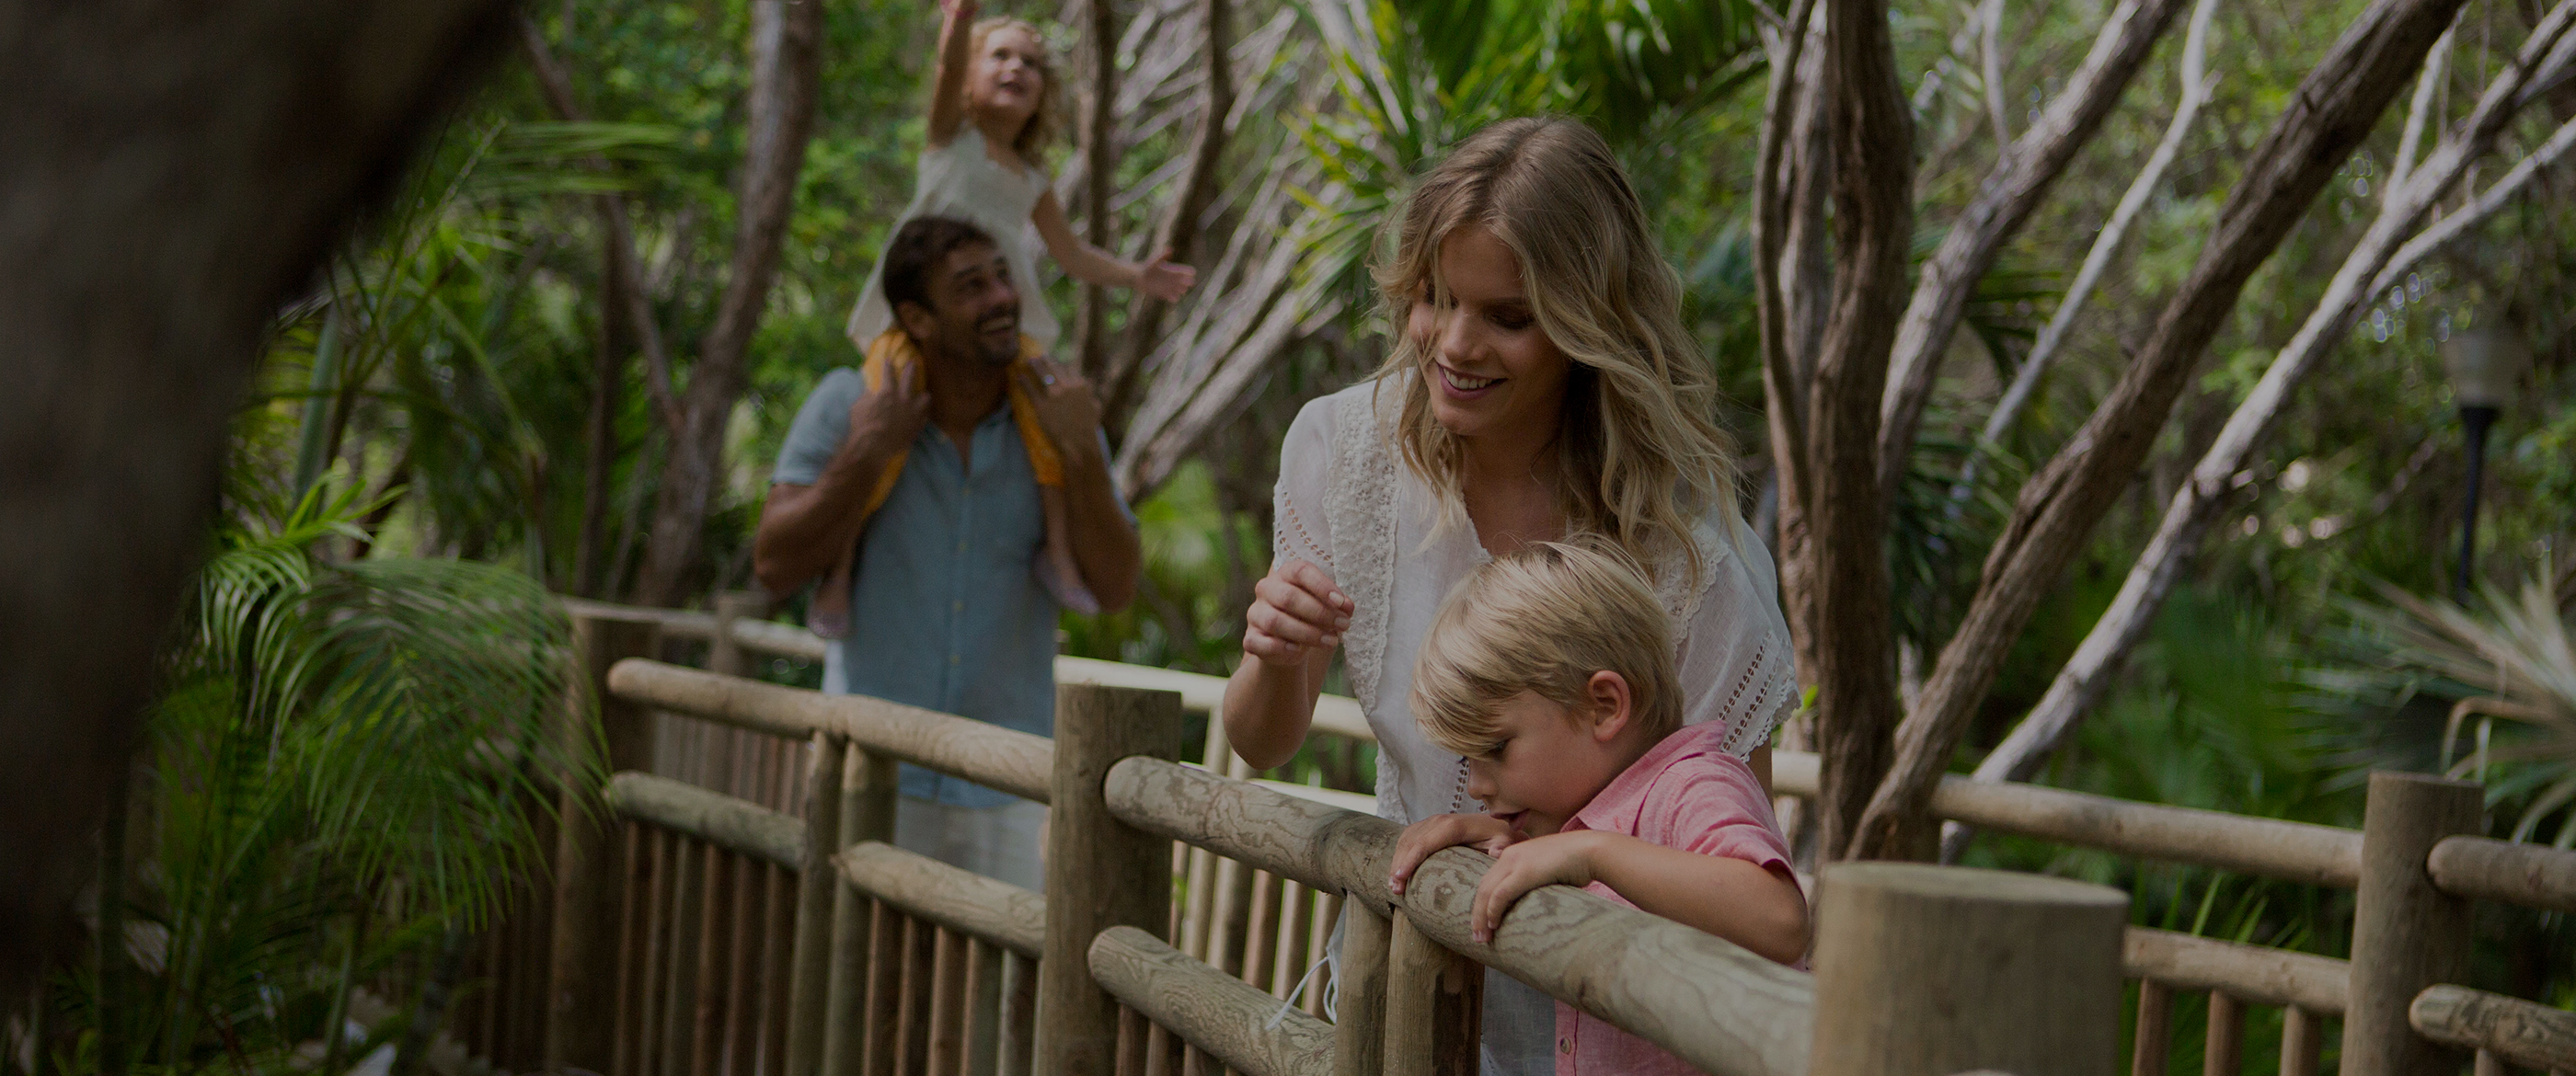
x=959, y=9
x=1295, y=609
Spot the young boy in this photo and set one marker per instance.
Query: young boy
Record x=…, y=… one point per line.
x=1552, y=671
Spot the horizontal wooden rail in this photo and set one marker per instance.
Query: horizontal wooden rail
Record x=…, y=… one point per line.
x=2252, y=973
x=2524, y=1033
x=1335, y=715
x=1710, y=1002
x=720, y=820
x=1014, y=762
x=1236, y=1022
x=985, y=909
x=2267, y=847
x=2531, y=875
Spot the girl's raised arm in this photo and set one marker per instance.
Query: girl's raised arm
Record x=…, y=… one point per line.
x=956, y=58
x=1160, y=278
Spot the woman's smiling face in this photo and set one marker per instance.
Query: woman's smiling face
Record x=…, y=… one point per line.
x=1491, y=370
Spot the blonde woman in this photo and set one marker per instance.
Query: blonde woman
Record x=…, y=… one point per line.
x=1542, y=387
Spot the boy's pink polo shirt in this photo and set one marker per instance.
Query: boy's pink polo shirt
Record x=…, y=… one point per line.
x=1686, y=793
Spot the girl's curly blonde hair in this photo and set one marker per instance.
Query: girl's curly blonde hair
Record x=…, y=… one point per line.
x=1638, y=441
x=1041, y=128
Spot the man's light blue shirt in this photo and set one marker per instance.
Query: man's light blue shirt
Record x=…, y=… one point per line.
x=945, y=611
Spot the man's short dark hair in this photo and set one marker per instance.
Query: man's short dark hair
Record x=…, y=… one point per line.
x=921, y=243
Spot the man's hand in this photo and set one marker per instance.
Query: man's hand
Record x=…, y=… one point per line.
x=1482, y=832
x=889, y=420
x=1555, y=859
x=1066, y=407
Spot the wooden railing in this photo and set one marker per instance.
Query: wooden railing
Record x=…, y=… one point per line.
x=703, y=925
x=2411, y=930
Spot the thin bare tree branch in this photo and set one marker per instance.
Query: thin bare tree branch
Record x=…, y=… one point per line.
x=1783, y=383
x=2196, y=88
x=1990, y=67
x=2019, y=180
x=623, y=277
x=2334, y=108
x=1099, y=167
x=2437, y=67
x=2197, y=503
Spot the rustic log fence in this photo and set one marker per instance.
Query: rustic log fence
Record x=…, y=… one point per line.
x=741, y=911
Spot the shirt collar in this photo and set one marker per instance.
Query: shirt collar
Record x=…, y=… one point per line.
x=1615, y=808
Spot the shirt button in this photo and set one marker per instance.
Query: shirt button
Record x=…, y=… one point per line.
x=1564, y=1045
x=957, y=607
x=961, y=548
x=952, y=659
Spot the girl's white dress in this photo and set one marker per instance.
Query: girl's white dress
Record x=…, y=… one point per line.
x=960, y=180
x=1348, y=504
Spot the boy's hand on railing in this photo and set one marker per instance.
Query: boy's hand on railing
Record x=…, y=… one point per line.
x=1482, y=832
x=1294, y=608
x=1555, y=859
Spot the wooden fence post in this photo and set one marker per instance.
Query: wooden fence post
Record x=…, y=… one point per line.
x=1434, y=1006
x=1929, y=971
x=724, y=655
x=866, y=814
x=1100, y=873
x=2406, y=934
x=1359, y=1000
x=581, y=976
x=816, y=885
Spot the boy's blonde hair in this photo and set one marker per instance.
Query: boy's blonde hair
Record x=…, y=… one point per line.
x=1035, y=134
x=1544, y=619
x=1638, y=441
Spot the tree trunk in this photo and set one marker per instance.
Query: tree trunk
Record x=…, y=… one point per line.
x=1099, y=178
x=2334, y=109
x=1873, y=192
x=786, y=38
x=182, y=170
x=1785, y=218
x=607, y=393
x=2020, y=178
x=1180, y=231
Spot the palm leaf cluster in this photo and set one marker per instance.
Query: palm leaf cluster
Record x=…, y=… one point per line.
x=349, y=761
x=2508, y=670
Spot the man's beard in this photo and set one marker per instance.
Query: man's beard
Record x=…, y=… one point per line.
x=996, y=348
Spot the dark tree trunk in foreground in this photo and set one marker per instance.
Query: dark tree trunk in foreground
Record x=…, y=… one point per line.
x=174, y=172
x=786, y=39
x=1847, y=577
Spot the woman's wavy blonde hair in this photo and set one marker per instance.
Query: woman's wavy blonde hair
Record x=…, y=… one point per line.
x=1041, y=128
x=1639, y=400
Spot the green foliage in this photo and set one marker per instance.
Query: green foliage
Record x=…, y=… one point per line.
x=2508, y=674
x=1413, y=79
x=337, y=744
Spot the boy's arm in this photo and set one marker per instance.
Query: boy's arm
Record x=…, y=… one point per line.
x=1734, y=899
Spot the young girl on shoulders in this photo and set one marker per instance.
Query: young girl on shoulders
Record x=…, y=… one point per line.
x=1551, y=671
x=991, y=114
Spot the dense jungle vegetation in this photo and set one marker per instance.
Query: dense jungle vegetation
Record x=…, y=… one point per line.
x=469, y=411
